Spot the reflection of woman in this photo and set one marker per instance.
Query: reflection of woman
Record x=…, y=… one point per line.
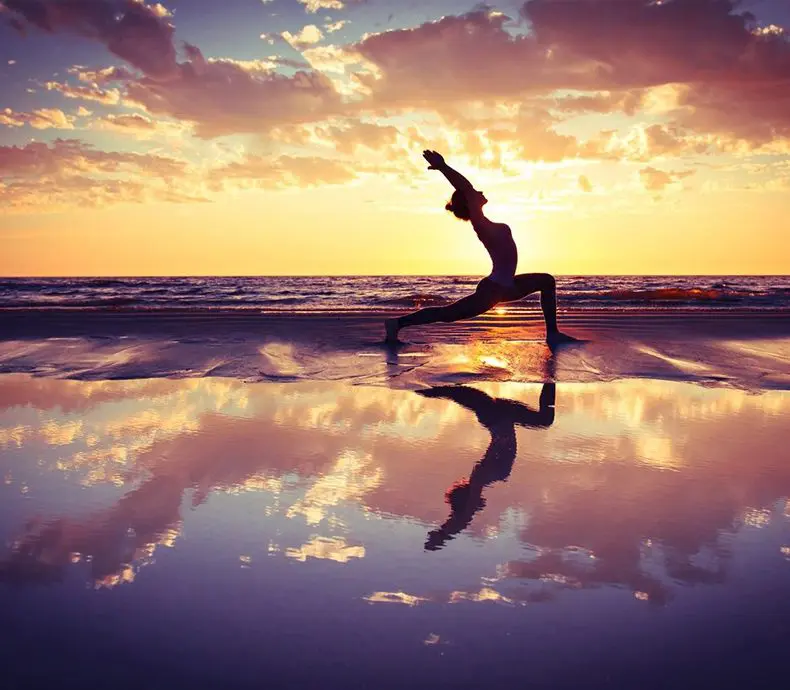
x=500, y=417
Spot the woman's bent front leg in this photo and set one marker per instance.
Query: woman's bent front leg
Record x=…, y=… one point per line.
x=527, y=283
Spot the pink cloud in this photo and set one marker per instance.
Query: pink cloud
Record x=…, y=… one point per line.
x=612, y=52
x=620, y=47
x=226, y=97
x=457, y=58
x=737, y=76
x=72, y=155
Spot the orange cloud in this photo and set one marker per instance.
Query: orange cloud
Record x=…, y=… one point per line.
x=137, y=125
x=284, y=171
x=307, y=36
x=313, y=6
x=658, y=180
x=86, y=93
x=68, y=172
x=43, y=118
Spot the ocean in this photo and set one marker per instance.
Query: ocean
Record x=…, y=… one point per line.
x=383, y=293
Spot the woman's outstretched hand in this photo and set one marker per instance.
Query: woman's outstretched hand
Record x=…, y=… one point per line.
x=434, y=158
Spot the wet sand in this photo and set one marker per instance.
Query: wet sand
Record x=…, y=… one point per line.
x=212, y=532
x=744, y=349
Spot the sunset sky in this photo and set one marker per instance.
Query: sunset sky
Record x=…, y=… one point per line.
x=236, y=137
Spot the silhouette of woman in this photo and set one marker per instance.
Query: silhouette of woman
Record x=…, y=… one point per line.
x=502, y=284
x=500, y=417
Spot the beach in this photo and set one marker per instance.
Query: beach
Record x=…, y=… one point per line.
x=364, y=345
x=225, y=498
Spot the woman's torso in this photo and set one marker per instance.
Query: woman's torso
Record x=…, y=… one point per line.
x=498, y=241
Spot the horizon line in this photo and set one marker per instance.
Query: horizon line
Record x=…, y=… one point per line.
x=389, y=275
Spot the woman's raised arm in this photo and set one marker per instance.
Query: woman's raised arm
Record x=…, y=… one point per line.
x=456, y=179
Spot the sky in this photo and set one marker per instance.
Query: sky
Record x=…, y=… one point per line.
x=284, y=137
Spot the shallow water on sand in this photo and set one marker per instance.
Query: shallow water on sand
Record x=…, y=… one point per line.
x=212, y=533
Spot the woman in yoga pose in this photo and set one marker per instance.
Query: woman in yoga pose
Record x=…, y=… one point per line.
x=502, y=285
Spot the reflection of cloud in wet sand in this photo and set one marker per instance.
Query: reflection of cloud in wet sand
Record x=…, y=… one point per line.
x=325, y=548
x=634, y=483
x=351, y=477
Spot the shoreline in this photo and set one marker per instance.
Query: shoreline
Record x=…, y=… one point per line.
x=748, y=350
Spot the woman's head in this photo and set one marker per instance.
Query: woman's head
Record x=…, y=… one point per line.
x=463, y=204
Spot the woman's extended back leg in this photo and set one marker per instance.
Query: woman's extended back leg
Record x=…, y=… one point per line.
x=465, y=308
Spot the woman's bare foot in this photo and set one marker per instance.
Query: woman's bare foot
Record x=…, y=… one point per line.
x=392, y=328
x=559, y=338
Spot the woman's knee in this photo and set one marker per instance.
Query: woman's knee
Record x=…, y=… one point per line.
x=547, y=282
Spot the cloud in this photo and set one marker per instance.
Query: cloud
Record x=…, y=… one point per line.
x=137, y=125
x=130, y=29
x=85, y=93
x=331, y=58
x=102, y=76
x=456, y=58
x=307, y=36
x=736, y=75
x=658, y=180
x=313, y=6
x=42, y=177
x=226, y=97
x=347, y=137
x=627, y=102
x=161, y=11
x=134, y=122
x=73, y=155
x=331, y=27
x=282, y=172
x=702, y=64
x=537, y=140
x=43, y=118
x=617, y=50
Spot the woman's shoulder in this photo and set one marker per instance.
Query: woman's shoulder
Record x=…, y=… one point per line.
x=491, y=225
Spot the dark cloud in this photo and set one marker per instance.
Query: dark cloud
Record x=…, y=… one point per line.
x=137, y=33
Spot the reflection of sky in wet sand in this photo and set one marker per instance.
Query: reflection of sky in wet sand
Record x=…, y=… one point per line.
x=639, y=484
x=217, y=519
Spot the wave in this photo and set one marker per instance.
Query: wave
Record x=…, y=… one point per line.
x=416, y=300
x=396, y=293
x=675, y=295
